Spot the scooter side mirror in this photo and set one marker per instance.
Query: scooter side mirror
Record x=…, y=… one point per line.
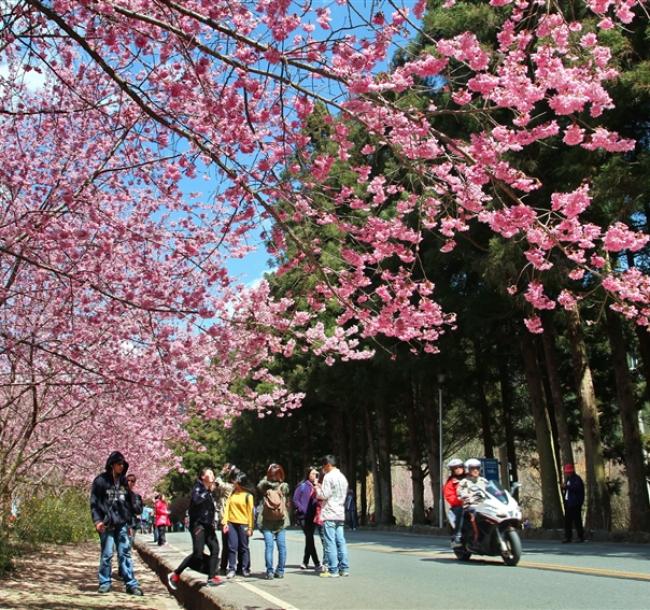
x=515, y=486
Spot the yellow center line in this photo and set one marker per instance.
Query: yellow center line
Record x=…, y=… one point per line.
x=531, y=565
x=558, y=567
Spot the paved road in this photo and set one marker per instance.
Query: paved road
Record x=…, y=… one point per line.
x=395, y=570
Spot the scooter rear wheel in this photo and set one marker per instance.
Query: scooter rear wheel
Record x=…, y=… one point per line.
x=513, y=542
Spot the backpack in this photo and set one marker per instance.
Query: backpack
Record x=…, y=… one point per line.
x=274, y=507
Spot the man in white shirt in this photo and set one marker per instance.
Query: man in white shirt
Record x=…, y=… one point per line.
x=333, y=491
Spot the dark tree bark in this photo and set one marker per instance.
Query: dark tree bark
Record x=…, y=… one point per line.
x=351, y=472
x=598, y=503
x=633, y=448
x=480, y=369
x=552, y=506
x=557, y=399
x=374, y=468
x=385, y=475
x=430, y=421
x=363, y=517
x=415, y=453
x=506, y=405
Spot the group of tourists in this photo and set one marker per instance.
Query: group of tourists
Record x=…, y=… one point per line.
x=226, y=504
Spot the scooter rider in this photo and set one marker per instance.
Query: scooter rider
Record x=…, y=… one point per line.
x=450, y=490
x=471, y=489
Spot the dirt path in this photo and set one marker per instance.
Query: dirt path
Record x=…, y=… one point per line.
x=65, y=578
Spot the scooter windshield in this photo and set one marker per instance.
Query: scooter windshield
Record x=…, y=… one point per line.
x=494, y=489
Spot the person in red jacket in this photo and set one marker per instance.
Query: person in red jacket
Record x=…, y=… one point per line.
x=161, y=518
x=457, y=470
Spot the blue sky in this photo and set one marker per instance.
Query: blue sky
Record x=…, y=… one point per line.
x=252, y=267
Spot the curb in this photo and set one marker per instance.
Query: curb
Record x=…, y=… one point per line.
x=192, y=592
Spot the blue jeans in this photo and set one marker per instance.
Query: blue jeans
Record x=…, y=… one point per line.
x=116, y=538
x=281, y=539
x=336, y=550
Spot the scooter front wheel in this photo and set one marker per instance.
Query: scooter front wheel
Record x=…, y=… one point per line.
x=512, y=556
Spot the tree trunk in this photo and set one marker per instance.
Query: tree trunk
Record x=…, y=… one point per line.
x=415, y=454
x=552, y=505
x=632, y=448
x=598, y=507
x=385, y=475
x=488, y=441
x=430, y=421
x=374, y=469
x=552, y=368
x=351, y=472
x=363, y=517
x=508, y=427
x=643, y=337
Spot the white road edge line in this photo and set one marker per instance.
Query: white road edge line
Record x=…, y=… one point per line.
x=267, y=596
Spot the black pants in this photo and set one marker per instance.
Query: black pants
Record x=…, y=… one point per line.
x=309, y=527
x=573, y=515
x=202, y=535
x=224, y=552
x=162, y=534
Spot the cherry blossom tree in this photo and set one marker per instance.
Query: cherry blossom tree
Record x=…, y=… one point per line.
x=116, y=302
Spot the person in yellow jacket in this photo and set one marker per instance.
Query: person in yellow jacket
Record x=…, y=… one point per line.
x=237, y=524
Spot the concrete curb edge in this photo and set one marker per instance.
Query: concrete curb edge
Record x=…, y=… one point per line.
x=192, y=592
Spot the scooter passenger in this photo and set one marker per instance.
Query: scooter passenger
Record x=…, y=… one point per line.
x=472, y=489
x=450, y=490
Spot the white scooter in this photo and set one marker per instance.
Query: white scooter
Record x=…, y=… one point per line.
x=491, y=527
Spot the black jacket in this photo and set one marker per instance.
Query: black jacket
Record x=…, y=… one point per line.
x=201, y=510
x=137, y=505
x=111, y=501
x=574, y=491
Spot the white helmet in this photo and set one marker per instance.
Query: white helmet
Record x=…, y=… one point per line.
x=472, y=463
x=455, y=463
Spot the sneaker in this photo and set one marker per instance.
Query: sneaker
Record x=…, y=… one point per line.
x=246, y=573
x=329, y=574
x=319, y=568
x=172, y=580
x=231, y=574
x=215, y=581
x=269, y=576
x=104, y=588
x=137, y=591
x=302, y=566
x=279, y=575
x=344, y=574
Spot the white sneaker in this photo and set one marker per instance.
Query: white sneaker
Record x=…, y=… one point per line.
x=230, y=575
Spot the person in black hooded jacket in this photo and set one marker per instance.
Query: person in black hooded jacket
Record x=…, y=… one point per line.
x=112, y=509
x=201, y=514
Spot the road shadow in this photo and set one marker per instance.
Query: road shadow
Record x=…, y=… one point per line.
x=586, y=549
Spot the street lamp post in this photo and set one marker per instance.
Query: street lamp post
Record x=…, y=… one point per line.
x=441, y=379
